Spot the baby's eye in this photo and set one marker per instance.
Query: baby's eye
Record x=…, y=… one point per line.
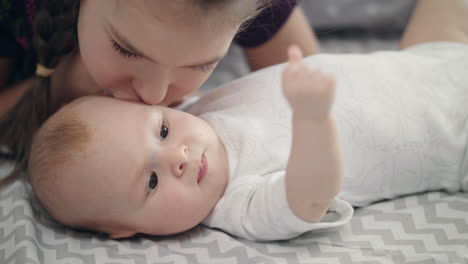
x=164, y=132
x=153, y=182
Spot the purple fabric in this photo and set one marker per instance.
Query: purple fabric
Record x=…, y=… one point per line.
x=16, y=31
x=16, y=26
x=16, y=20
x=263, y=27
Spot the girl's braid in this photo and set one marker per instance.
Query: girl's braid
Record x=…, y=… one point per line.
x=55, y=30
x=54, y=37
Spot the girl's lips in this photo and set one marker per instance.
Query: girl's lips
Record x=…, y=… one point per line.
x=203, y=168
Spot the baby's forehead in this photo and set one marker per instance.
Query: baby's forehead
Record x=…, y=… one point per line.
x=97, y=106
x=109, y=119
x=102, y=103
x=81, y=106
x=94, y=102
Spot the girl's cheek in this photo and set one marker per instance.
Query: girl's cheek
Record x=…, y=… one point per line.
x=105, y=70
x=194, y=79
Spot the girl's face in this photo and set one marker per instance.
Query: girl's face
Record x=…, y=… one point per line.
x=150, y=51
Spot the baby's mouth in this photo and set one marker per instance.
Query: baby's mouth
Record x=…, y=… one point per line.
x=203, y=168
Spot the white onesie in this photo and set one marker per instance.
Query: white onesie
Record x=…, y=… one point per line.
x=402, y=124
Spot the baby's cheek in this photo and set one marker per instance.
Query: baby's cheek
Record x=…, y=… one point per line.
x=189, y=207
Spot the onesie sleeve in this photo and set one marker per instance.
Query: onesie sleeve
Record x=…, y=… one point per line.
x=258, y=210
x=264, y=26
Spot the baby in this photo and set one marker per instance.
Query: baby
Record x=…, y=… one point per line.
x=261, y=158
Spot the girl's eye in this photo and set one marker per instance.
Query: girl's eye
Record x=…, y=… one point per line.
x=122, y=51
x=153, y=182
x=164, y=132
x=204, y=68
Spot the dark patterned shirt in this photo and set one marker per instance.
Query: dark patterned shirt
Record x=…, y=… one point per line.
x=263, y=27
x=16, y=31
x=16, y=18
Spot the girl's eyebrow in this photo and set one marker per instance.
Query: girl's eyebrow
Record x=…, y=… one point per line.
x=126, y=43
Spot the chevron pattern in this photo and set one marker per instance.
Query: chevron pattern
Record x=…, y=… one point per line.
x=423, y=228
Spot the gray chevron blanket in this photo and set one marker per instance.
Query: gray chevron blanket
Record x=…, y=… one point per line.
x=424, y=228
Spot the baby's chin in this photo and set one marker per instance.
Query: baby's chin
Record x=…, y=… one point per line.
x=174, y=231
x=107, y=230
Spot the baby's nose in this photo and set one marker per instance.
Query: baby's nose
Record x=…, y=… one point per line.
x=179, y=159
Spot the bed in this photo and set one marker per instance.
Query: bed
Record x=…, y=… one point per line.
x=423, y=228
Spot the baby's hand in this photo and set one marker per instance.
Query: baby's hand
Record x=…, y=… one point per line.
x=309, y=92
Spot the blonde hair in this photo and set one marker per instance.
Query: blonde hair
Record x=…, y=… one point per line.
x=53, y=149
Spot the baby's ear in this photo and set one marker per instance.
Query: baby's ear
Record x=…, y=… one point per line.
x=121, y=234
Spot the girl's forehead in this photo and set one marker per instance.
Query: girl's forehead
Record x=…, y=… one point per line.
x=223, y=13
x=161, y=10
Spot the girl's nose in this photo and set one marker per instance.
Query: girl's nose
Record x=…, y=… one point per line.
x=124, y=92
x=153, y=90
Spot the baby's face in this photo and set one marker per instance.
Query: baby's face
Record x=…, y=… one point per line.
x=150, y=169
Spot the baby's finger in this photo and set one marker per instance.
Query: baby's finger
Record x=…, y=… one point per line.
x=294, y=53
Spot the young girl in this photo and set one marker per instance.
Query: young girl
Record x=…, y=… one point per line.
x=154, y=52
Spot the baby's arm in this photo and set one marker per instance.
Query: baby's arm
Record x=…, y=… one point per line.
x=314, y=170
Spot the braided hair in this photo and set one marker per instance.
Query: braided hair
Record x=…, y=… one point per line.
x=54, y=37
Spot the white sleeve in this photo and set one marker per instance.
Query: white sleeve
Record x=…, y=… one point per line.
x=257, y=209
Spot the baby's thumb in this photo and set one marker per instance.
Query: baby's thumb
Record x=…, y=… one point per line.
x=294, y=53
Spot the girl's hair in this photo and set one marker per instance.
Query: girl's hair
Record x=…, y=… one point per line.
x=55, y=36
